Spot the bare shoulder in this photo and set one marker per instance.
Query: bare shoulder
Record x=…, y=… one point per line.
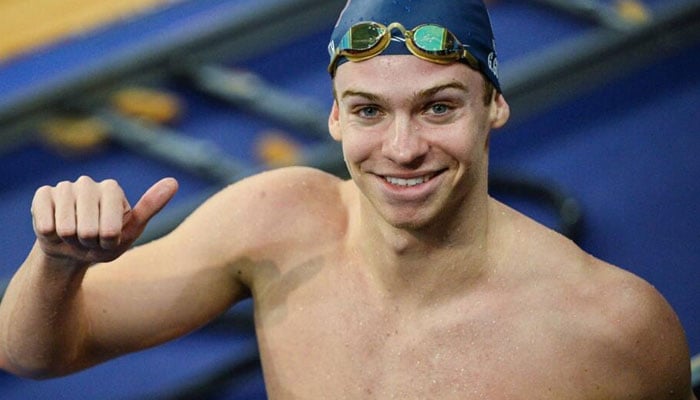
x=639, y=335
x=285, y=195
x=618, y=327
x=285, y=187
x=265, y=210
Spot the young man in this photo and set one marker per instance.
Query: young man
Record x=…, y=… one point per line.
x=407, y=281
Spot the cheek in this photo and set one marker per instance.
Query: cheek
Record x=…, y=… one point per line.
x=357, y=148
x=464, y=149
x=458, y=142
x=477, y=140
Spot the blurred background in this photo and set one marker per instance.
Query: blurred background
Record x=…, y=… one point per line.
x=602, y=144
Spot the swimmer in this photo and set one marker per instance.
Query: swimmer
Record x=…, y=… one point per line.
x=407, y=281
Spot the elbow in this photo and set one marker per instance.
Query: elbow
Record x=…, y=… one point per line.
x=35, y=368
x=33, y=372
x=28, y=371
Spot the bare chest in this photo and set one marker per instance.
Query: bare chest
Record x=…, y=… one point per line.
x=323, y=340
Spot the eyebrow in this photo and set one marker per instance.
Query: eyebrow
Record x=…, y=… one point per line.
x=426, y=93
x=437, y=89
x=354, y=93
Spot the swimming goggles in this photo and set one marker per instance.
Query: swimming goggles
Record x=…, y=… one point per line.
x=429, y=42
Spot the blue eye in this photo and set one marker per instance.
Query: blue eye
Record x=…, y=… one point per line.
x=439, y=108
x=369, y=112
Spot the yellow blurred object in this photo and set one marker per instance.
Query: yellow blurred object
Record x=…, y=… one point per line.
x=633, y=11
x=74, y=136
x=26, y=25
x=276, y=149
x=149, y=104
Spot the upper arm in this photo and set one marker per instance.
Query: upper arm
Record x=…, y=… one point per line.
x=173, y=285
x=163, y=289
x=648, y=345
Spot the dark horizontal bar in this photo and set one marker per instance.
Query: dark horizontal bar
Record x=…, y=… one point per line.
x=565, y=69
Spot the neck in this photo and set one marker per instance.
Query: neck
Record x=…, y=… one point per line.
x=431, y=262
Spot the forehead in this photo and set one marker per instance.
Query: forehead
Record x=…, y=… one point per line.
x=398, y=73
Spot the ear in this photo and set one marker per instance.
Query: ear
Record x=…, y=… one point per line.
x=499, y=112
x=334, y=122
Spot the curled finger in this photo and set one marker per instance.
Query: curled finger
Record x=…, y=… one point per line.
x=114, y=209
x=43, y=215
x=64, y=211
x=87, y=206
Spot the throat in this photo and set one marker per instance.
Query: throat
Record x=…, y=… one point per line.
x=406, y=267
x=434, y=261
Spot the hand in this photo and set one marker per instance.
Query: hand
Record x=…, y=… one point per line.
x=89, y=222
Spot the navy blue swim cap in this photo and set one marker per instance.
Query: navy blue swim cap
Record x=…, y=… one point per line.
x=468, y=20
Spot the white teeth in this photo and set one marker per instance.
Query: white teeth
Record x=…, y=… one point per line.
x=407, y=182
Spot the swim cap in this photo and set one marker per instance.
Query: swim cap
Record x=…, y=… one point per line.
x=468, y=20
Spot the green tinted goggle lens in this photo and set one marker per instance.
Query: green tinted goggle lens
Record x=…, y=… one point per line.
x=434, y=39
x=361, y=38
x=429, y=42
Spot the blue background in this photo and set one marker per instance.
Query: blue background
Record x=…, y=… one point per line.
x=626, y=150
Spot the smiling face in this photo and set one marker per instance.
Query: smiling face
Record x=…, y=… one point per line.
x=414, y=135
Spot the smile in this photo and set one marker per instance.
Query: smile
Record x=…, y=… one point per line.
x=408, y=182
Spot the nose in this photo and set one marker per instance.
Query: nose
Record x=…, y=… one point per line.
x=405, y=143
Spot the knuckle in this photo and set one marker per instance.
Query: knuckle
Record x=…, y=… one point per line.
x=40, y=197
x=110, y=182
x=84, y=179
x=43, y=191
x=84, y=183
x=63, y=185
x=111, y=185
x=63, y=190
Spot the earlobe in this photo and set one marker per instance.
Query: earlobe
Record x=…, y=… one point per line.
x=500, y=111
x=334, y=122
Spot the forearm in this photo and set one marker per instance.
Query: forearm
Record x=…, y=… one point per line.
x=42, y=324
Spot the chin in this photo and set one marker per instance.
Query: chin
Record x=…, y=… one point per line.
x=410, y=222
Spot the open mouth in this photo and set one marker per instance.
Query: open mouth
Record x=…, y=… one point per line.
x=409, y=182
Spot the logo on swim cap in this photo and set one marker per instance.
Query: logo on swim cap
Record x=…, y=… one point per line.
x=331, y=48
x=493, y=63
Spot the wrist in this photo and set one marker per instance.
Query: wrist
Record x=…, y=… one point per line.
x=49, y=259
